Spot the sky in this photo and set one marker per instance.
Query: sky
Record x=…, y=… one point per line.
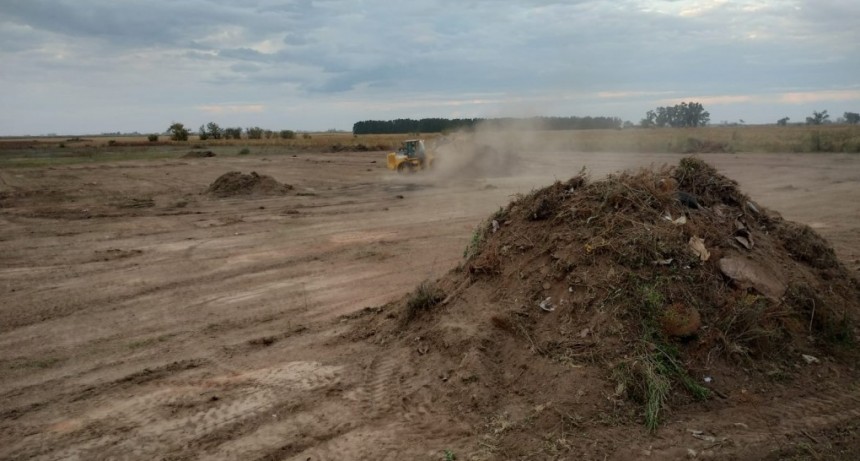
x=95, y=66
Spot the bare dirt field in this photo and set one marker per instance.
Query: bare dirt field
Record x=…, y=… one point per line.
x=142, y=318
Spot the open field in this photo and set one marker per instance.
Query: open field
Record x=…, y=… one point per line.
x=754, y=138
x=143, y=319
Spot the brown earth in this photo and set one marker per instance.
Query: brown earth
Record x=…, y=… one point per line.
x=141, y=318
x=235, y=183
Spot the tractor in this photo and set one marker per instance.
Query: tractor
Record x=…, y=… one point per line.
x=411, y=157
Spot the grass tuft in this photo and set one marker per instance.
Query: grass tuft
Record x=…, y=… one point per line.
x=425, y=297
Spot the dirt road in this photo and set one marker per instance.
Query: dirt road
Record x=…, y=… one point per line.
x=143, y=319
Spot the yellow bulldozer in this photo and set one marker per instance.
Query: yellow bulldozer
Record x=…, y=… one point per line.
x=411, y=157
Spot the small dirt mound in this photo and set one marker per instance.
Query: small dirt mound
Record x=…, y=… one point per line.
x=619, y=299
x=199, y=154
x=235, y=183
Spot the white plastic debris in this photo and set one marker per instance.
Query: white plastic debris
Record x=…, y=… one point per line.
x=681, y=220
x=546, y=304
x=810, y=359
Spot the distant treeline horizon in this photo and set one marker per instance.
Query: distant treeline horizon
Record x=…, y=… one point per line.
x=438, y=125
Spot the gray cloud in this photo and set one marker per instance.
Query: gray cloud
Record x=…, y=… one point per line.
x=316, y=53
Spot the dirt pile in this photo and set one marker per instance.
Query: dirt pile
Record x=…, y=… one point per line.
x=235, y=183
x=607, y=303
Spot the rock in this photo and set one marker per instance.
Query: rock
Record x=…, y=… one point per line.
x=680, y=320
x=747, y=273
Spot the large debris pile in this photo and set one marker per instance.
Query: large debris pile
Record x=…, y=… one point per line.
x=625, y=297
x=235, y=183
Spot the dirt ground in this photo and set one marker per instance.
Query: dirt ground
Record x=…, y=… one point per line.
x=141, y=318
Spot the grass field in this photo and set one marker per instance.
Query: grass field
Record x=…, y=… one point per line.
x=36, y=151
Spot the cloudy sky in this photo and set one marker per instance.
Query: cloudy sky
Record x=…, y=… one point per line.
x=91, y=66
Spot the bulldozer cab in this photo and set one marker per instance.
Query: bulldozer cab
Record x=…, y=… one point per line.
x=412, y=156
x=413, y=148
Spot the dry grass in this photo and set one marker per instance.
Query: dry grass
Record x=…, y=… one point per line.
x=40, y=151
x=763, y=138
x=754, y=138
x=425, y=297
x=316, y=141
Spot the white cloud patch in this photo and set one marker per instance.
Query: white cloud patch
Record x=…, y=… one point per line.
x=804, y=97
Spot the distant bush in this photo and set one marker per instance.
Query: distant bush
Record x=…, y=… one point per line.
x=245, y=151
x=213, y=130
x=152, y=138
x=178, y=132
x=112, y=142
x=254, y=132
x=818, y=118
x=306, y=136
x=232, y=133
x=288, y=134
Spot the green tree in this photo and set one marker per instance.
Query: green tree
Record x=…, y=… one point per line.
x=287, y=134
x=783, y=121
x=202, y=134
x=254, y=132
x=817, y=118
x=178, y=132
x=233, y=133
x=214, y=130
x=693, y=114
x=685, y=114
x=650, y=120
x=852, y=117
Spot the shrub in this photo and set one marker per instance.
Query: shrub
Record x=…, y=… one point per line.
x=152, y=138
x=245, y=151
x=178, y=132
x=426, y=296
x=232, y=133
x=288, y=134
x=254, y=132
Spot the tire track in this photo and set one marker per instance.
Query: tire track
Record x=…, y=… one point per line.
x=415, y=423
x=146, y=427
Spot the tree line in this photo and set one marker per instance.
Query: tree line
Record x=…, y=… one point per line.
x=438, y=125
x=211, y=130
